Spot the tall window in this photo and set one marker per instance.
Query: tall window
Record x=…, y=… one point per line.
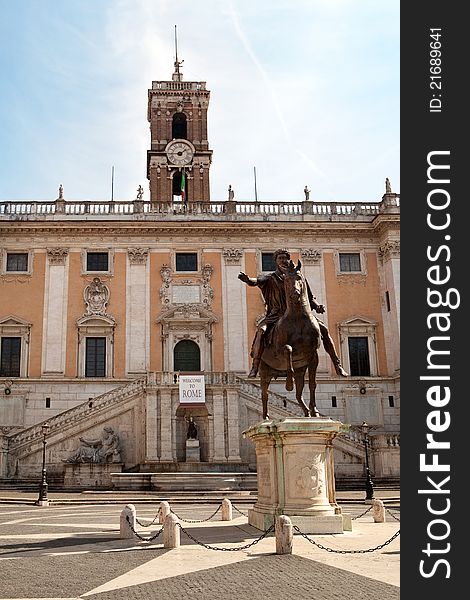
x=187, y=356
x=97, y=261
x=350, y=262
x=95, y=359
x=179, y=129
x=359, y=356
x=177, y=184
x=17, y=261
x=10, y=357
x=267, y=262
x=186, y=261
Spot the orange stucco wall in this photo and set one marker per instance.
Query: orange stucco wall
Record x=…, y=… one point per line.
x=22, y=296
x=346, y=300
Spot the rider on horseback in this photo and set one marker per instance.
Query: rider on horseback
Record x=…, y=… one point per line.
x=272, y=288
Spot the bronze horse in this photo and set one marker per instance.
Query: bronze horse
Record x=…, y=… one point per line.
x=293, y=344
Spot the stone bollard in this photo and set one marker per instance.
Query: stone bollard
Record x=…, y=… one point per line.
x=125, y=531
x=226, y=510
x=163, y=511
x=171, y=532
x=284, y=535
x=378, y=511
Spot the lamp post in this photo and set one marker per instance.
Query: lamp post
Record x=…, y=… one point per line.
x=42, y=499
x=365, y=427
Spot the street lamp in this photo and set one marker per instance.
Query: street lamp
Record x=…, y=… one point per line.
x=365, y=427
x=42, y=499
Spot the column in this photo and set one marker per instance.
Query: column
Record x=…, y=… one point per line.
x=233, y=428
x=236, y=349
x=151, y=454
x=55, y=312
x=219, y=429
x=166, y=426
x=137, y=312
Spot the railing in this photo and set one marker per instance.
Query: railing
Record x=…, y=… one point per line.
x=231, y=210
x=178, y=85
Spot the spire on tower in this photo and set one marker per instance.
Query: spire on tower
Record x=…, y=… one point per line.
x=177, y=76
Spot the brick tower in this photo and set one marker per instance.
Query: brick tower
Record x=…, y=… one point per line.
x=179, y=158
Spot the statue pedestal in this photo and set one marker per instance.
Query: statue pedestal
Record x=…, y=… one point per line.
x=295, y=472
x=91, y=475
x=193, y=451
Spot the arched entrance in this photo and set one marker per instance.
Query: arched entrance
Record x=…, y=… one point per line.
x=187, y=356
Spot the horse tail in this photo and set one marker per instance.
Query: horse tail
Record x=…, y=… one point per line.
x=290, y=368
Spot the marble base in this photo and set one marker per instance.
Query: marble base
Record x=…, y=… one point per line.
x=193, y=451
x=295, y=474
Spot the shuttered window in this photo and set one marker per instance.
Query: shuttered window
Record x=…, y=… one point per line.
x=95, y=360
x=359, y=356
x=10, y=357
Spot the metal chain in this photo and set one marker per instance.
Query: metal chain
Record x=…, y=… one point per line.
x=346, y=551
x=239, y=511
x=146, y=524
x=195, y=520
x=392, y=515
x=362, y=514
x=143, y=539
x=262, y=536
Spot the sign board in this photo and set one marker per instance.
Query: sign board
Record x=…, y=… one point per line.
x=192, y=389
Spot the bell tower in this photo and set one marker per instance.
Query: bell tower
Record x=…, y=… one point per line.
x=179, y=158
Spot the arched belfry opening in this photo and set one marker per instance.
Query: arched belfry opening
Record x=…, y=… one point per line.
x=177, y=177
x=179, y=128
x=187, y=356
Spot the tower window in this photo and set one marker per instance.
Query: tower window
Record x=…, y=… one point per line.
x=177, y=184
x=95, y=360
x=186, y=261
x=10, y=357
x=97, y=261
x=359, y=356
x=187, y=356
x=179, y=129
x=350, y=262
x=17, y=261
x=267, y=262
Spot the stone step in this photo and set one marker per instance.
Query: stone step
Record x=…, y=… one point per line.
x=184, y=482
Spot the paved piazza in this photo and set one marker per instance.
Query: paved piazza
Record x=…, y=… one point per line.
x=74, y=551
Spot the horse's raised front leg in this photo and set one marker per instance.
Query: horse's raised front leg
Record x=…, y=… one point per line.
x=312, y=384
x=299, y=388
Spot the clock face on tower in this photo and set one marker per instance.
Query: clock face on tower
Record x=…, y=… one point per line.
x=179, y=152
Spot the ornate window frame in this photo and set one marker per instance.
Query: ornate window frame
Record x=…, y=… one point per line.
x=3, y=262
x=12, y=326
x=198, y=253
x=359, y=326
x=110, y=252
x=362, y=257
x=96, y=326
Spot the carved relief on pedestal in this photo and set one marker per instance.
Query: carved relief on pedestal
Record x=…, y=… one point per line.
x=57, y=256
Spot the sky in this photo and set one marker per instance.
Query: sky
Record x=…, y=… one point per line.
x=303, y=92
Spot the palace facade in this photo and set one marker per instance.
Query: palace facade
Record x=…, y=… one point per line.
x=104, y=305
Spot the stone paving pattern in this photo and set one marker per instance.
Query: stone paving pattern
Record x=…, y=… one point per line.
x=68, y=552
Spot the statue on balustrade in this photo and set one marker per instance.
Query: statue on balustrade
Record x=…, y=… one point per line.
x=106, y=449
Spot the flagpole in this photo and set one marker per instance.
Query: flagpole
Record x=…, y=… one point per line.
x=112, y=184
x=256, y=193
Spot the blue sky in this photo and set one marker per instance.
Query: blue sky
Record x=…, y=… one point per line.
x=306, y=91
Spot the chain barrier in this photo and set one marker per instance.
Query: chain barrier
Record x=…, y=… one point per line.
x=196, y=520
x=239, y=511
x=143, y=539
x=146, y=524
x=379, y=547
x=362, y=514
x=392, y=515
x=261, y=537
